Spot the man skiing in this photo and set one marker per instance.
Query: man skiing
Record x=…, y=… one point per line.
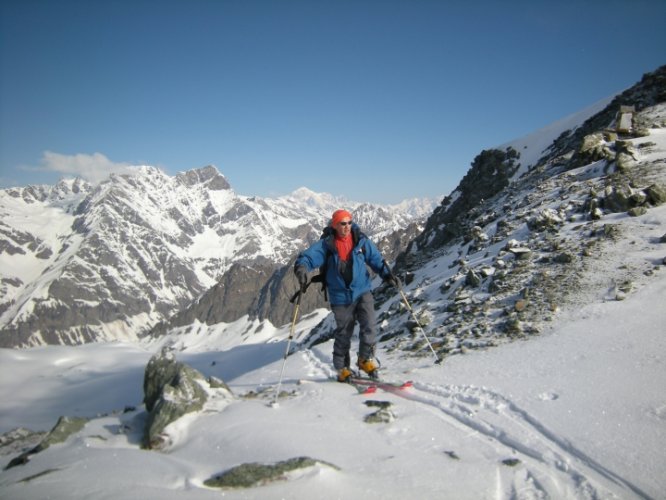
x=343, y=252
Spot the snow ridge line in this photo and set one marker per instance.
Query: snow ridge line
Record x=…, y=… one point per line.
x=558, y=452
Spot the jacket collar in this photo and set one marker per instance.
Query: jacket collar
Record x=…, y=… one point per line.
x=329, y=235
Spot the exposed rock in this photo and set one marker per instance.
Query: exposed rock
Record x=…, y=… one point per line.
x=625, y=155
x=216, y=383
x=596, y=214
x=594, y=148
x=19, y=440
x=256, y=474
x=236, y=294
x=383, y=415
x=533, y=208
x=478, y=236
x=563, y=258
x=171, y=389
x=637, y=211
x=65, y=427
x=656, y=195
x=521, y=253
x=617, y=199
x=520, y=305
x=546, y=219
x=624, y=120
x=513, y=326
x=624, y=161
x=472, y=279
x=490, y=173
x=648, y=92
x=208, y=176
x=638, y=198
x=625, y=147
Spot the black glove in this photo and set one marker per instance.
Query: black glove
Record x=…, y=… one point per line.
x=301, y=275
x=392, y=280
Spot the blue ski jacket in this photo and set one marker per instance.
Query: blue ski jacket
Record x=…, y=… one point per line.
x=325, y=253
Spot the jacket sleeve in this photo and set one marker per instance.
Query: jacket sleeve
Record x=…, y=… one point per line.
x=374, y=259
x=312, y=258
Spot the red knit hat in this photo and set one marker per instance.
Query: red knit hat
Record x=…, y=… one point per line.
x=338, y=215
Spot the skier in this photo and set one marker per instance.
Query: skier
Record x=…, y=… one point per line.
x=342, y=254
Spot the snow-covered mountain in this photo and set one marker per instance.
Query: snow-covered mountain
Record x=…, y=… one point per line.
x=83, y=263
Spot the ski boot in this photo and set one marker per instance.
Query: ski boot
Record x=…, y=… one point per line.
x=344, y=374
x=369, y=366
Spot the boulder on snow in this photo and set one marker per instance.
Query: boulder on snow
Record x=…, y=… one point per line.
x=624, y=161
x=65, y=427
x=637, y=211
x=472, y=279
x=656, y=194
x=521, y=253
x=617, y=199
x=256, y=474
x=626, y=157
x=594, y=148
x=563, y=258
x=544, y=220
x=383, y=415
x=520, y=305
x=171, y=389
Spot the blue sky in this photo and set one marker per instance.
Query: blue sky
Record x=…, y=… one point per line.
x=373, y=100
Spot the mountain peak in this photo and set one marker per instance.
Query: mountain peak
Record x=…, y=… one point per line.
x=208, y=175
x=319, y=200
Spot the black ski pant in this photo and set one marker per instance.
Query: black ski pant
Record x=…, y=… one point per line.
x=363, y=311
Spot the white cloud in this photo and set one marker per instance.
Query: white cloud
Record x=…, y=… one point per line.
x=94, y=168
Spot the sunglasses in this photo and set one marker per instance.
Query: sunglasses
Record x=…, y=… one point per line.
x=345, y=223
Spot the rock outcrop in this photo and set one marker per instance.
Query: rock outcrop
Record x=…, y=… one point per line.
x=171, y=390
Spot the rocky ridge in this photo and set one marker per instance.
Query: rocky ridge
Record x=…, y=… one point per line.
x=510, y=263
x=505, y=251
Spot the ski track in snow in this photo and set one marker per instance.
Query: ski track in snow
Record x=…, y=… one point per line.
x=553, y=466
x=493, y=416
x=319, y=367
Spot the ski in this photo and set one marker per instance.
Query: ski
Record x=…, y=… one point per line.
x=380, y=384
x=365, y=389
x=370, y=386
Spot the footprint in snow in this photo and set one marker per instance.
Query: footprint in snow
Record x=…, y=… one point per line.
x=548, y=396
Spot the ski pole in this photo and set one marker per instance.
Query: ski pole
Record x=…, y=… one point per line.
x=291, y=336
x=301, y=290
x=409, y=308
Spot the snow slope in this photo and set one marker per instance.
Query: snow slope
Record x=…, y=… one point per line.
x=579, y=412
